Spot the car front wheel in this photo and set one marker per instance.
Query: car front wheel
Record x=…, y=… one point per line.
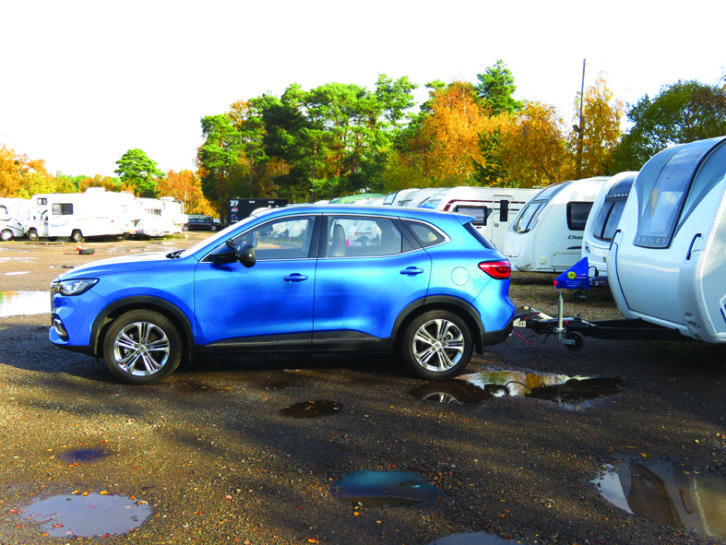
x=142, y=347
x=437, y=345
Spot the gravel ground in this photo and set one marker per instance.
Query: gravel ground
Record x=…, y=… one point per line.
x=210, y=453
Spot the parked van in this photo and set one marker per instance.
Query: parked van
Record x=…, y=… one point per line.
x=602, y=223
x=96, y=212
x=546, y=235
x=667, y=263
x=493, y=207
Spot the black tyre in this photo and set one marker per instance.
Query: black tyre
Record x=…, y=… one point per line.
x=437, y=345
x=76, y=235
x=32, y=234
x=6, y=234
x=142, y=347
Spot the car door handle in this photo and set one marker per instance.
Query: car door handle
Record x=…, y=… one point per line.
x=411, y=271
x=295, y=277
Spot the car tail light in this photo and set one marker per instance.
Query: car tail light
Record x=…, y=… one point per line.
x=501, y=270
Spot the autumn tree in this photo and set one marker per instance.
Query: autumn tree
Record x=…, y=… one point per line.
x=186, y=187
x=139, y=172
x=594, y=141
x=534, y=148
x=448, y=138
x=23, y=177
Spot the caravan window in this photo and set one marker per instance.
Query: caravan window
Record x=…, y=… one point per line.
x=577, y=213
x=480, y=213
x=528, y=216
x=62, y=209
x=606, y=222
x=663, y=190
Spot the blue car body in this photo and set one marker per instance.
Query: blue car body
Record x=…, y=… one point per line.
x=299, y=293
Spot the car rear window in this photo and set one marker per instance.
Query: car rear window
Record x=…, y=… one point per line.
x=425, y=234
x=477, y=235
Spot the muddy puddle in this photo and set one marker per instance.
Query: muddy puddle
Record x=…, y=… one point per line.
x=87, y=515
x=570, y=392
x=312, y=409
x=17, y=303
x=666, y=494
x=81, y=456
x=475, y=538
x=384, y=489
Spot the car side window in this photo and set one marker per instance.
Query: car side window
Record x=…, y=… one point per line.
x=285, y=239
x=357, y=236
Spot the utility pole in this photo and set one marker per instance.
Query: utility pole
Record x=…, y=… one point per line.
x=580, y=127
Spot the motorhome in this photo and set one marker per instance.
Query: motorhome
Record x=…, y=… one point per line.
x=93, y=213
x=15, y=214
x=494, y=208
x=602, y=223
x=546, y=235
x=667, y=262
x=158, y=217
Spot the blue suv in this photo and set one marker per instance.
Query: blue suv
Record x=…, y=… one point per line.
x=310, y=278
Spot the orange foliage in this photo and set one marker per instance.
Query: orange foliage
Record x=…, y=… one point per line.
x=186, y=187
x=449, y=137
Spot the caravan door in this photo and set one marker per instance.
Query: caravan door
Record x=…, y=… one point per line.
x=668, y=259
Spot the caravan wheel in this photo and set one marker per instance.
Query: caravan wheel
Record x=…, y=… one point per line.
x=76, y=235
x=6, y=234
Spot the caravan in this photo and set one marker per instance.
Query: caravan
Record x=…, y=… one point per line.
x=15, y=214
x=602, y=223
x=96, y=212
x=494, y=208
x=667, y=263
x=546, y=236
x=158, y=217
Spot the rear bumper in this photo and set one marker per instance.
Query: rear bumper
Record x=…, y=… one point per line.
x=496, y=337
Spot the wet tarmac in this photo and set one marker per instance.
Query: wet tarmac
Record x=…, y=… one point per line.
x=312, y=409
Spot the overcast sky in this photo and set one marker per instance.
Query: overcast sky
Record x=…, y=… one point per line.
x=86, y=80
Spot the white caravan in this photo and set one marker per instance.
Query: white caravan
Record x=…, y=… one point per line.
x=494, y=208
x=667, y=263
x=602, y=222
x=546, y=235
x=158, y=217
x=15, y=215
x=96, y=212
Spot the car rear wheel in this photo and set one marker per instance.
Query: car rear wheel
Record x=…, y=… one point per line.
x=437, y=345
x=142, y=347
x=32, y=234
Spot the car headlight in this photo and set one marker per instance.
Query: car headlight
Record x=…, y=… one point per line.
x=73, y=287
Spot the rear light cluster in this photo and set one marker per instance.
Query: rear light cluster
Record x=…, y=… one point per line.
x=501, y=270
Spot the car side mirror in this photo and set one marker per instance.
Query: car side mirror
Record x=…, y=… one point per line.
x=245, y=254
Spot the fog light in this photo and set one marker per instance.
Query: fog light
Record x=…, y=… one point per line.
x=59, y=329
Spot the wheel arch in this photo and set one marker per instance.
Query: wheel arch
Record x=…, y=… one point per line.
x=143, y=302
x=441, y=302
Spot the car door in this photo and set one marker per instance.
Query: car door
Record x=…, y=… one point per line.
x=267, y=305
x=368, y=273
